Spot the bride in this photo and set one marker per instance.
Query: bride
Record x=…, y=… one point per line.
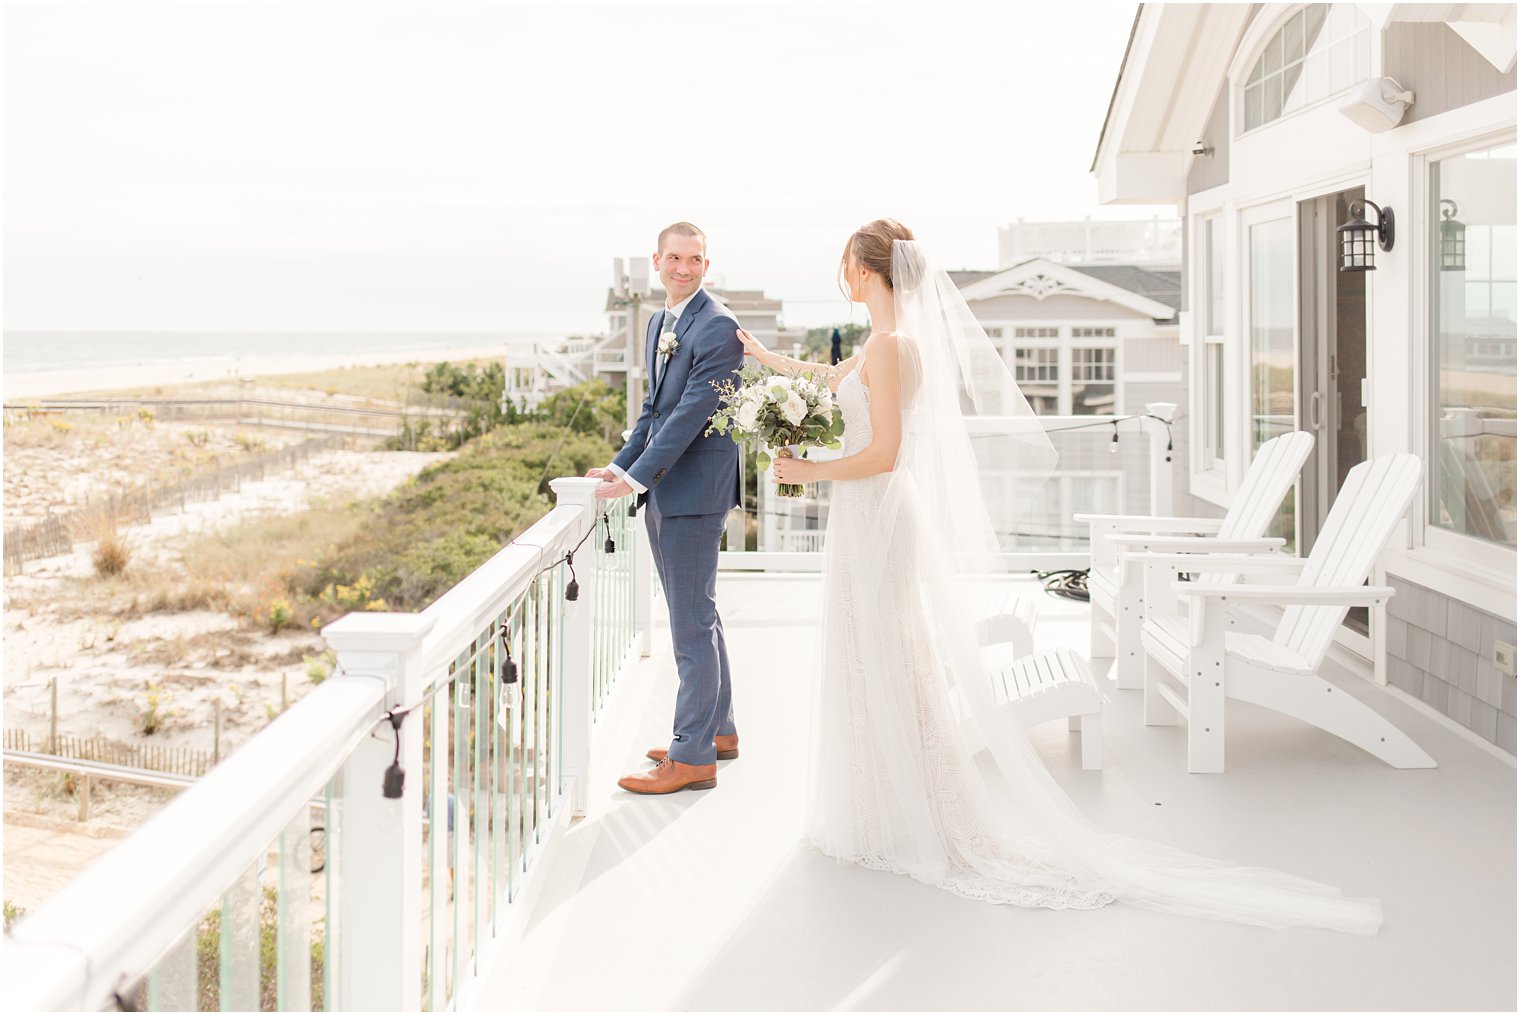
x=941, y=453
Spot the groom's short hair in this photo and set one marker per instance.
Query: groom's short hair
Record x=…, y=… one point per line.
x=680, y=229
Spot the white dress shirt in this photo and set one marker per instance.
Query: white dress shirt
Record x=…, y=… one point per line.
x=675, y=312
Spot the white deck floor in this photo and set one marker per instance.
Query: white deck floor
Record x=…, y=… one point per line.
x=706, y=900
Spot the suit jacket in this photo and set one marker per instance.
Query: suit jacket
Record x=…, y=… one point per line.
x=686, y=472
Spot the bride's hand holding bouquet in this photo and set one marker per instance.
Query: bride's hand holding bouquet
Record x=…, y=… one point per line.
x=786, y=412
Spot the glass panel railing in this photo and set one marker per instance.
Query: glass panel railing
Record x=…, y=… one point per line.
x=262, y=946
x=1095, y=473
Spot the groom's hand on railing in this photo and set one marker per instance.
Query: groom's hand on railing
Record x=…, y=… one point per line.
x=602, y=474
x=611, y=488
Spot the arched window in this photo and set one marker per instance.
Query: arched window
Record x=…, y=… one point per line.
x=1320, y=50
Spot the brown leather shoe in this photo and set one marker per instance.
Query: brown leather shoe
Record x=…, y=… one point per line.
x=669, y=776
x=728, y=749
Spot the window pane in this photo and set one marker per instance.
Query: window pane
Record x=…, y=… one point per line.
x=1271, y=57
x=1214, y=300
x=1293, y=38
x=1502, y=304
x=1477, y=300
x=1092, y=398
x=1472, y=452
x=1342, y=21
x=1341, y=56
x=1502, y=250
x=1271, y=298
x=1214, y=398
x=1316, y=80
x=1253, y=106
x=1314, y=27
x=1272, y=98
x=1271, y=334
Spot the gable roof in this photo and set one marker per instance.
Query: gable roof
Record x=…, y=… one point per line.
x=1156, y=293
x=1164, y=285
x=1178, y=56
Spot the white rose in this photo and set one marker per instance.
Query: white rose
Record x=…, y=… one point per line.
x=748, y=415
x=794, y=409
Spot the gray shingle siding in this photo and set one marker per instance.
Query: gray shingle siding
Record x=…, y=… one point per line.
x=1440, y=650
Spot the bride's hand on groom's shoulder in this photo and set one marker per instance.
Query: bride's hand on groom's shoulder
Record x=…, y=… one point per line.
x=752, y=346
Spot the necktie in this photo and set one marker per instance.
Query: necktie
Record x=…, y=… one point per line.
x=667, y=328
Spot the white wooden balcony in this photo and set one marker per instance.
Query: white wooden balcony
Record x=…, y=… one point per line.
x=552, y=889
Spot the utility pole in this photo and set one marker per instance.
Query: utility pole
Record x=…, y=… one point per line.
x=630, y=286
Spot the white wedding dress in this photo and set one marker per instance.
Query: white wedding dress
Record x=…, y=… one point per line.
x=908, y=555
x=894, y=784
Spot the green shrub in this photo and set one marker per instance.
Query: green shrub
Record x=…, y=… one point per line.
x=453, y=516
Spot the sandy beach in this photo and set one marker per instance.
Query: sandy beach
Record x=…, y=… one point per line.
x=104, y=642
x=19, y=386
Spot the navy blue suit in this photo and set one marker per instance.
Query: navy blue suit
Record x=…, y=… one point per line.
x=692, y=481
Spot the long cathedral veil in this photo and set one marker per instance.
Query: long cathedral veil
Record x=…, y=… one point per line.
x=975, y=456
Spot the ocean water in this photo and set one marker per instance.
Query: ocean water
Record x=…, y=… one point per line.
x=53, y=351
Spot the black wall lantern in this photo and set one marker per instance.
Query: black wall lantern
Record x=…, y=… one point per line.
x=1453, y=238
x=1356, y=236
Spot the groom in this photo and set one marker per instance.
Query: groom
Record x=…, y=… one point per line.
x=687, y=483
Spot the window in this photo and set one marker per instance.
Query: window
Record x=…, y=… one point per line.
x=1092, y=379
x=1273, y=346
x=1038, y=373
x=1070, y=374
x=1211, y=387
x=1319, y=51
x=1471, y=461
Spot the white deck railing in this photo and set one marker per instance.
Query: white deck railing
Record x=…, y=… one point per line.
x=499, y=681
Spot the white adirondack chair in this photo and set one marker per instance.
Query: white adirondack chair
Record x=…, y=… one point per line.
x=1037, y=689
x=1194, y=663
x=1011, y=622
x=1117, y=587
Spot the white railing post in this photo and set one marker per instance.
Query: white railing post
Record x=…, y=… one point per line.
x=578, y=642
x=377, y=941
x=1161, y=469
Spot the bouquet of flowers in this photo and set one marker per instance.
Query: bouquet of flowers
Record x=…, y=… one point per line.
x=782, y=411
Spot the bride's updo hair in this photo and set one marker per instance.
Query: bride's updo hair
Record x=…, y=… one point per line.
x=871, y=246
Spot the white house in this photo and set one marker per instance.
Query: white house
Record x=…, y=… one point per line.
x=1268, y=125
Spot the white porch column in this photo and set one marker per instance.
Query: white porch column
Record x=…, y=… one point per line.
x=1161, y=469
x=575, y=695
x=377, y=940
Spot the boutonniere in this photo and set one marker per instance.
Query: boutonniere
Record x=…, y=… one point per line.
x=669, y=345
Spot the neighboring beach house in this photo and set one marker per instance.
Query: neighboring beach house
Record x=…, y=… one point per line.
x=536, y=370
x=1268, y=125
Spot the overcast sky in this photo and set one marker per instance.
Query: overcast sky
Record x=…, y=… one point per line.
x=443, y=166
